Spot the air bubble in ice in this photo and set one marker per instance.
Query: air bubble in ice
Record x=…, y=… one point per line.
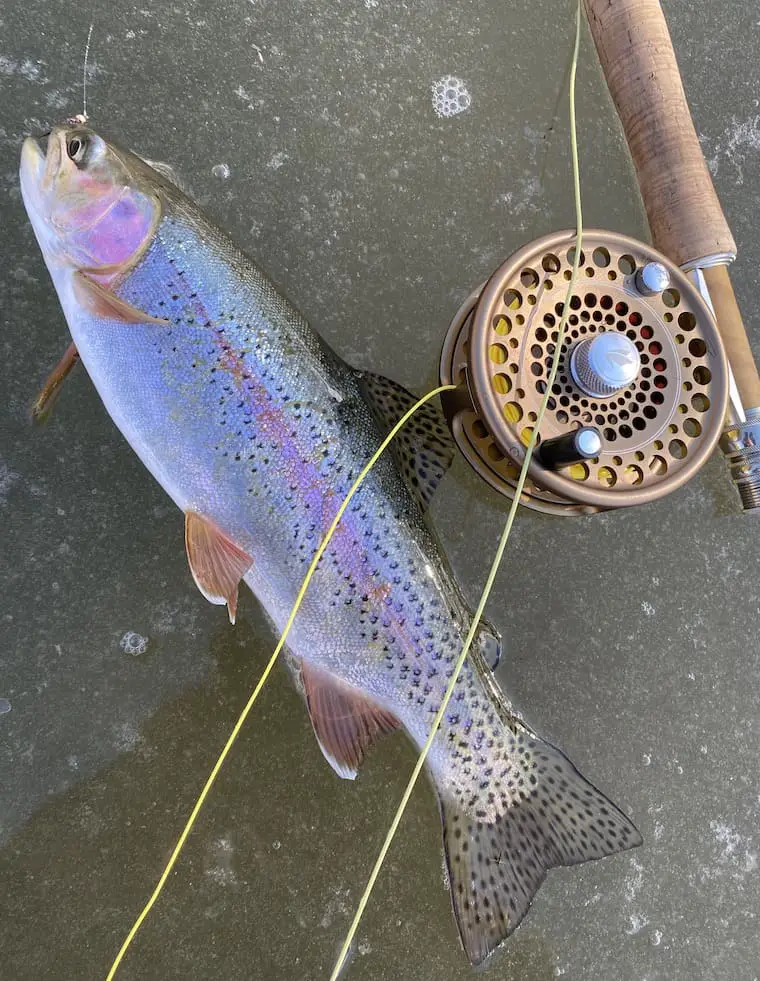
x=450, y=96
x=132, y=643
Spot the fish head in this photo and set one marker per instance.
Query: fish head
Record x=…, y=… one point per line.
x=93, y=206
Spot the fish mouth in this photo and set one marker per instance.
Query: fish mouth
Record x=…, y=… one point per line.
x=34, y=166
x=33, y=158
x=41, y=158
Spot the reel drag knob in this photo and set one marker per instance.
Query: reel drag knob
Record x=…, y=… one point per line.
x=604, y=364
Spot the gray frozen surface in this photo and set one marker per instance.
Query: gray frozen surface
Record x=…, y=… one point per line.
x=631, y=637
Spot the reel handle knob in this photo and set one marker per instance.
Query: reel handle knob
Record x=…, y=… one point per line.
x=581, y=444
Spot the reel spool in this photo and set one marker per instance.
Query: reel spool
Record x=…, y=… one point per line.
x=641, y=392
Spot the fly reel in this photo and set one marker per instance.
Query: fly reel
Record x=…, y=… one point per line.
x=640, y=396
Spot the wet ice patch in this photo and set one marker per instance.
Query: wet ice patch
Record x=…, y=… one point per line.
x=635, y=880
x=450, y=96
x=727, y=837
x=637, y=922
x=337, y=905
x=176, y=617
x=734, y=854
x=524, y=199
x=221, y=858
x=244, y=96
x=56, y=99
x=127, y=737
x=277, y=160
x=5, y=706
x=8, y=478
x=28, y=69
x=134, y=644
x=738, y=145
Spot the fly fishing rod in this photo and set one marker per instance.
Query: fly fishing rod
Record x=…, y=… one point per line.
x=656, y=369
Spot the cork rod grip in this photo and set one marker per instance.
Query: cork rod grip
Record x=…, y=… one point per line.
x=634, y=46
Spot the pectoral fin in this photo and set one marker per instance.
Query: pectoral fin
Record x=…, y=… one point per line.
x=98, y=299
x=346, y=722
x=216, y=562
x=50, y=391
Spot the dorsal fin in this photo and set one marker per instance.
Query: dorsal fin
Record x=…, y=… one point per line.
x=216, y=562
x=424, y=449
x=168, y=173
x=346, y=723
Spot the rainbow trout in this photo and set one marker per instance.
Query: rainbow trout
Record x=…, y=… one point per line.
x=257, y=429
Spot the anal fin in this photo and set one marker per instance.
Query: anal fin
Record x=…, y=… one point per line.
x=216, y=562
x=346, y=722
x=101, y=301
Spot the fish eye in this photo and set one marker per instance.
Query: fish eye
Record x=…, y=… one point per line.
x=76, y=148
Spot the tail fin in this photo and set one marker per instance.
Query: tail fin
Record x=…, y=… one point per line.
x=495, y=868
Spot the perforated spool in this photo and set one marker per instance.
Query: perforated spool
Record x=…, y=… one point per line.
x=656, y=433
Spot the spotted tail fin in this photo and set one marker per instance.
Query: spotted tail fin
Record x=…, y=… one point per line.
x=497, y=863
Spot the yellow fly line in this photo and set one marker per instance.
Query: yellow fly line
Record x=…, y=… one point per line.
x=190, y=823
